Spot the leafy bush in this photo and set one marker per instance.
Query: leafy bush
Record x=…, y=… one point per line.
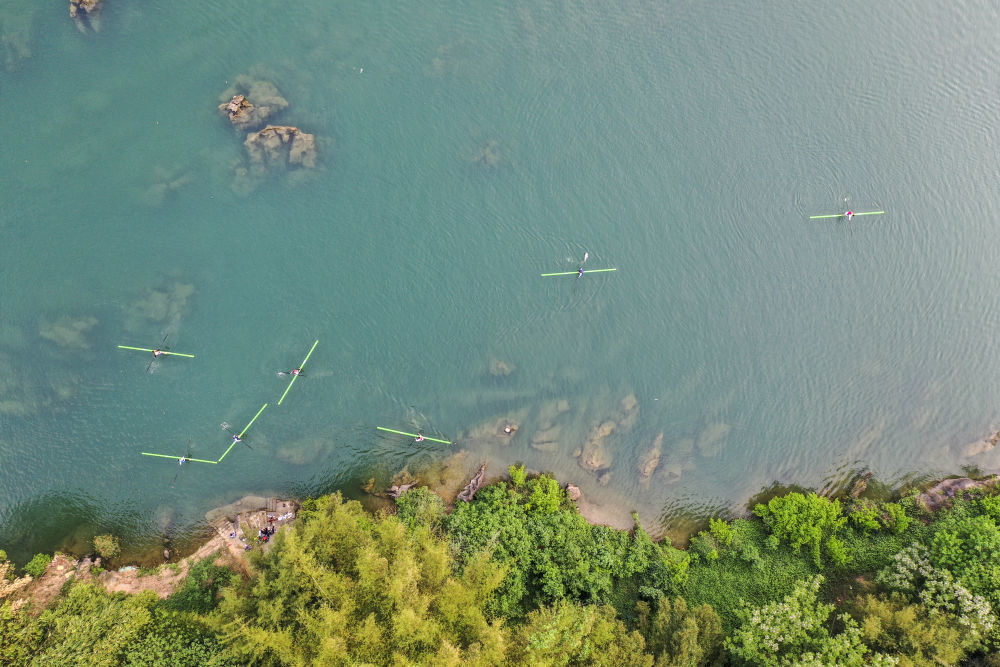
x=865, y=514
x=200, y=591
x=420, y=507
x=546, y=496
x=721, y=531
x=896, y=626
x=568, y=634
x=107, y=546
x=794, y=631
x=802, y=520
x=37, y=565
x=551, y=552
x=677, y=635
x=517, y=475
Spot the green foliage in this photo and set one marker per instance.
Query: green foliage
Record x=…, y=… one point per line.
x=896, y=519
x=746, y=571
x=802, y=520
x=837, y=551
x=89, y=626
x=910, y=631
x=969, y=547
x=913, y=574
x=551, y=552
x=107, y=546
x=344, y=587
x=721, y=531
x=420, y=507
x=568, y=634
x=37, y=565
x=200, y=591
x=865, y=514
x=546, y=496
x=517, y=475
x=794, y=631
x=677, y=635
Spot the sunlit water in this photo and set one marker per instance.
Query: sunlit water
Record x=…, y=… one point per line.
x=684, y=144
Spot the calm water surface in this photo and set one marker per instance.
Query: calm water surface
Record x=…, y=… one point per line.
x=683, y=143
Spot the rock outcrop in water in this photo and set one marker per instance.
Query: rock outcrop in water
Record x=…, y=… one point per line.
x=249, y=103
x=650, y=460
x=281, y=145
x=86, y=14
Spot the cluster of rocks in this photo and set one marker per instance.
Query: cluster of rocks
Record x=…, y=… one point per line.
x=595, y=456
x=249, y=104
x=86, y=14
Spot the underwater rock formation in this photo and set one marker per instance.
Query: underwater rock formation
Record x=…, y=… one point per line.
x=712, y=439
x=281, y=145
x=500, y=368
x=649, y=461
x=68, y=332
x=595, y=455
x=86, y=14
x=489, y=156
x=249, y=103
x=164, y=304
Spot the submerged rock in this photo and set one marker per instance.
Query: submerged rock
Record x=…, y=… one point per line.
x=500, y=368
x=85, y=13
x=68, y=331
x=712, y=439
x=249, y=102
x=489, y=156
x=649, y=461
x=546, y=440
x=595, y=455
x=629, y=412
x=281, y=145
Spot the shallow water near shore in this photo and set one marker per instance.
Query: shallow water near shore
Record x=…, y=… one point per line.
x=463, y=151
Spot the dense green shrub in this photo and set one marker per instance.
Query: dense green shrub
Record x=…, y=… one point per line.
x=678, y=635
x=795, y=631
x=551, y=552
x=107, y=546
x=569, y=634
x=420, y=507
x=910, y=631
x=800, y=520
x=201, y=587
x=37, y=565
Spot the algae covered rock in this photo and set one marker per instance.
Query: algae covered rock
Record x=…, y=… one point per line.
x=249, y=102
x=281, y=145
x=595, y=455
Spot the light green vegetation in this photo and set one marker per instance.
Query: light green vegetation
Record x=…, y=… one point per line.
x=517, y=577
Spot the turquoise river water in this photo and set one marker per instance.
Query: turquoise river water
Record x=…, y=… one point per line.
x=462, y=150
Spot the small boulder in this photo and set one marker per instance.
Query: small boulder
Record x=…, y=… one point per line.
x=574, y=492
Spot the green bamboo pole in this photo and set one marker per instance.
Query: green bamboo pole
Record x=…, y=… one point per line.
x=143, y=349
x=576, y=273
x=296, y=377
x=414, y=435
x=247, y=427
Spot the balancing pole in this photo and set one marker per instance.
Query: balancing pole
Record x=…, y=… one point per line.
x=841, y=215
x=296, y=377
x=185, y=458
x=416, y=435
x=575, y=273
x=142, y=349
